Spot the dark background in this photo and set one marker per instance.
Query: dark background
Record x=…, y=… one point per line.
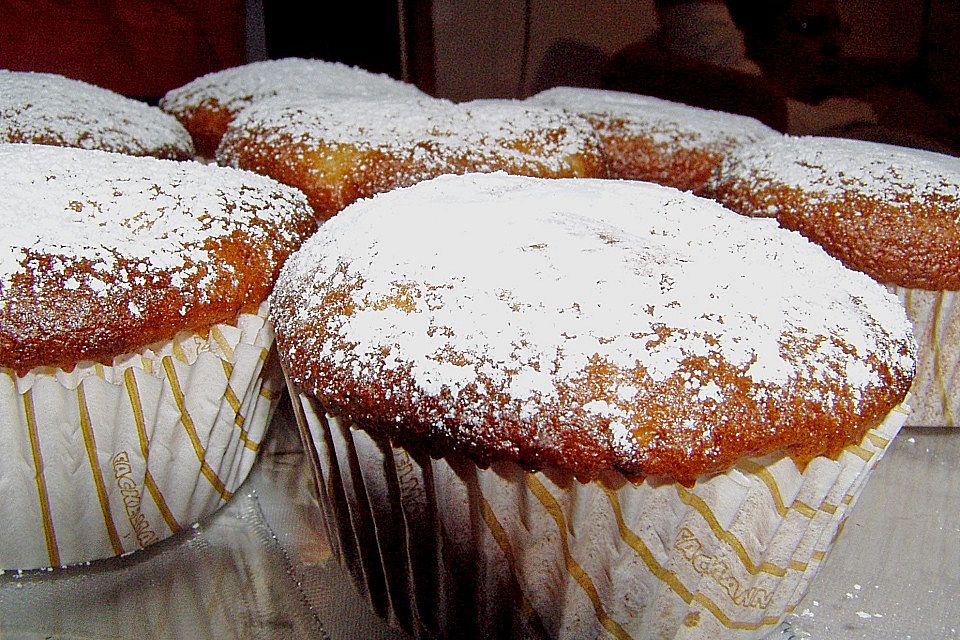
x=462, y=50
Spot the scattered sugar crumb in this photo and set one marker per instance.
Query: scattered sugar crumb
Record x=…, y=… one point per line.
x=867, y=616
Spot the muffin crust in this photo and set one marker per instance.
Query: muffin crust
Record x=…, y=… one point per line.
x=45, y=108
x=587, y=325
x=107, y=253
x=208, y=104
x=338, y=151
x=888, y=211
x=646, y=138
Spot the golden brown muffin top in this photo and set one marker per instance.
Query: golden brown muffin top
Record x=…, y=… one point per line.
x=891, y=212
x=44, y=108
x=210, y=102
x=587, y=324
x=104, y=253
x=646, y=138
x=672, y=125
x=340, y=149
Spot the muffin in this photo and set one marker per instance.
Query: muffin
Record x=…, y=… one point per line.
x=337, y=151
x=137, y=373
x=583, y=406
x=207, y=104
x=890, y=212
x=646, y=138
x=44, y=108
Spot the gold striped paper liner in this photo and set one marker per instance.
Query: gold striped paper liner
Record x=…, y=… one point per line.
x=935, y=395
x=445, y=549
x=108, y=459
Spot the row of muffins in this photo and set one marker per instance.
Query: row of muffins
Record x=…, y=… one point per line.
x=371, y=381
x=640, y=138
x=887, y=211
x=493, y=320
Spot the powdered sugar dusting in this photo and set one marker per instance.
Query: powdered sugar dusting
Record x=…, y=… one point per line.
x=107, y=223
x=527, y=282
x=668, y=123
x=831, y=166
x=48, y=108
x=236, y=87
x=437, y=131
x=364, y=121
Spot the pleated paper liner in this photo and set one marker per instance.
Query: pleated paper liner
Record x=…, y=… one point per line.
x=445, y=549
x=935, y=395
x=106, y=460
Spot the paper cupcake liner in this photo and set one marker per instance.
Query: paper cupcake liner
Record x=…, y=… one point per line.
x=935, y=395
x=105, y=460
x=445, y=549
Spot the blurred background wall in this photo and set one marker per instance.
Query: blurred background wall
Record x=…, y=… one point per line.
x=457, y=49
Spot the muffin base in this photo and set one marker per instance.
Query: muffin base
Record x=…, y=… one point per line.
x=104, y=460
x=443, y=548
x=935, y=394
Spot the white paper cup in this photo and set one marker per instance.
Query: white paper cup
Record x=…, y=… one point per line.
x=443, y=548
x=935, y=394
x=105, y=460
